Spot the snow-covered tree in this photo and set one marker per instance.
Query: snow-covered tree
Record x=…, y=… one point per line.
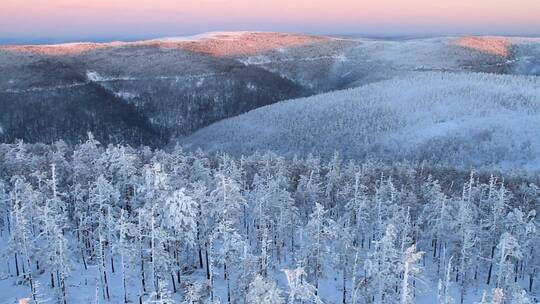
x=411, y=268
x=319, y=230
x=383, y=269
x=262, y=291
x=299, y=289
x=180, y=217
x=508, y=253
x=124, y=247
x=443, y=295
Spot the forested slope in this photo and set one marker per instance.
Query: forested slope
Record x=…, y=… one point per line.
x=457, y=119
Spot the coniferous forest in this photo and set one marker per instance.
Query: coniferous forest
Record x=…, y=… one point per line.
x=114, y=224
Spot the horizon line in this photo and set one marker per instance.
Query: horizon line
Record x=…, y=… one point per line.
x=134, y=38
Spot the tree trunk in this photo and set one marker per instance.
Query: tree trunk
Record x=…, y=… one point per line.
x=143, y=281
x=228, y=284
x=83, y=259
x=64, y=293
x=173, y=282
x=200, y=257
x=17, y=265
x=207, y=265
x=106, y=284
x=531, y=280
x=345, y=284
x=490, y=265
x=123, y=277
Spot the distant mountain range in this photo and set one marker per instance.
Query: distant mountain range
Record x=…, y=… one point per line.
x=155, y=92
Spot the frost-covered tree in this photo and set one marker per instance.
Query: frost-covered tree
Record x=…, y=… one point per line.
x=495, y=205
x=262, y=291
x=361, y=212
x=465, y=241
x=228, y=254
x=443, y=295
x=411, y=268
x=21, y=243
x=56, y=252
x=299, y=289
x=320, y=229
x=180, y=217
x=102, y=198
x=124, y=247
x=383, y=269
x=4, y=207
x=437, y=217
x=508, y=253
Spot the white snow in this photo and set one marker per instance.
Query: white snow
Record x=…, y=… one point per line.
x=200, y=82
x=45, y=89
x=96, y=77
x=126, y=95
x=250, y=86
x=93, y=76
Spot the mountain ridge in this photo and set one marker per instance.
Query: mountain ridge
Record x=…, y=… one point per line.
x=180, y=85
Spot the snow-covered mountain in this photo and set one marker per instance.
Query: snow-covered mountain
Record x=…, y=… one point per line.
x=147, y=92
x=168, y=86
x=468, y=119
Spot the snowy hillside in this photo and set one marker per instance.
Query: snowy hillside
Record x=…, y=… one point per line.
x=450, y=119
x=174, y=86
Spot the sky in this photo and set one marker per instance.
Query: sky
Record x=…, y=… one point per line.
x=102, y=20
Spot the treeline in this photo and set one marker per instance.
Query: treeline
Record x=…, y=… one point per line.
x=196, y=228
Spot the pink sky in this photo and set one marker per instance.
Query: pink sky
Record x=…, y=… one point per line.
x=72, y=19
